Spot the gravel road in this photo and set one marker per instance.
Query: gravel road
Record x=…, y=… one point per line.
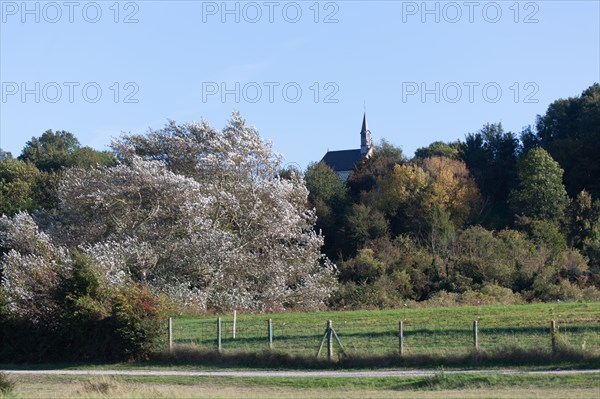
x=295, y=374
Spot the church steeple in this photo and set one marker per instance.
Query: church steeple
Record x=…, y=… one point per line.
x=365, y=138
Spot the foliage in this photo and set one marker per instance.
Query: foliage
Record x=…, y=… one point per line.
x=540, y=193
x=63, y=303
x=491, y=156
x=362, y=268
x=364, y=178
x=365, y=224
x=54, y=150
x=439, y=149
x=569, y=132
x=199, y=215
x=329, y=197
x=406, y=196
x=4, y=155
x=456, y=190
x=583, y=220
x=18, y=184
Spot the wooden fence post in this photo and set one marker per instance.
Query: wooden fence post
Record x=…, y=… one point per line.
x=329, y=341
x=401, y=337
x=234, y=323
x=553, y=331
x=170, y=324
x=219, y=331
x=475, y=336
x=270, y=325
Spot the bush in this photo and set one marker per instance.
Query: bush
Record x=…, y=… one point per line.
x=490, y=294
x=139, y=319
x=381, y=294
x=91, y=322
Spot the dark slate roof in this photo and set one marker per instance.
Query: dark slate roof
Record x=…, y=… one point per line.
x=342, y=160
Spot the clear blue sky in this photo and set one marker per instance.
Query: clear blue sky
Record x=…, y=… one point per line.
x=174, y=58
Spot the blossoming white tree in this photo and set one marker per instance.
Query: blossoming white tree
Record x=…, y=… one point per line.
x=199, y=214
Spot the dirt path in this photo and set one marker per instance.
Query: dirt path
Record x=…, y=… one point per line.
x=297, y=374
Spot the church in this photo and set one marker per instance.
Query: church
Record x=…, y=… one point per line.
x=343, y=162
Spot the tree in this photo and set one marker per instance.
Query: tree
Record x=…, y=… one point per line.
x=18, y=183
x=323, y=183
x=364, y=224
x=329, y=196
x=540, y=193
x=491, y=157
x=456, y=190
x=569, y=132
x=201, y=215
x=53, y=151
x=364, y=178
x=5, y=155
x=406, y=196
x=439, y=149
x=582, y=219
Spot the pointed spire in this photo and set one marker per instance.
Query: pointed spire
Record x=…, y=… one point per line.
x=365, y=137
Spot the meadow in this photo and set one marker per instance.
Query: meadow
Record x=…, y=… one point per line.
x=426, y=330
x=439, y=338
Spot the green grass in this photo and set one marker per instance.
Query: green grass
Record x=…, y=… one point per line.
x=439, y=330
x=441, y=385
x=440, y=380
x=516, y=336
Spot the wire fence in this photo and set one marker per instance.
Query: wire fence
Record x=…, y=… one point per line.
x=378, y=338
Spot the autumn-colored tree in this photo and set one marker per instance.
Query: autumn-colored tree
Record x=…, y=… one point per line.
x=456, y=190
x=406, y=196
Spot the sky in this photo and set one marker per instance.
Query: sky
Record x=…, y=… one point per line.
x=301, y=72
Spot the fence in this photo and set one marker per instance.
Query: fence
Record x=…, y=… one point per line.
x=378, y=338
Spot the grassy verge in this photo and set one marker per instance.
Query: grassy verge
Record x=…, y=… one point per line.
x=507, y=357
x=439, y=385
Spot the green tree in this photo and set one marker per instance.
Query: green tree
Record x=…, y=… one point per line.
x=439, y=149
x=54, y=150
x=540, y=193
x=18, y=183
x=329, y=196
x=366, y=224
x=569, y=131
x=5, y=155
x=582, y=220
x=51, y=151
x=491, y=156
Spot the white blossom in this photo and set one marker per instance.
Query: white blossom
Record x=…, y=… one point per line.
x=200, y=215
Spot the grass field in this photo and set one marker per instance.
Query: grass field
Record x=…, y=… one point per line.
x=440, y=330
x=439, y=386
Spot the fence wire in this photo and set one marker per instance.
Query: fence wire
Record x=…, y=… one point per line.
x=376, y=338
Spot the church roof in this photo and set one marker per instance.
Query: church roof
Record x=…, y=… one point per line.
x=342, y=160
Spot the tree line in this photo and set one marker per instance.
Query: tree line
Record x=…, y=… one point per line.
x=496, y=217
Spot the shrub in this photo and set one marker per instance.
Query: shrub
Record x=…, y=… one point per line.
x=139, y=317
x=92, y=321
